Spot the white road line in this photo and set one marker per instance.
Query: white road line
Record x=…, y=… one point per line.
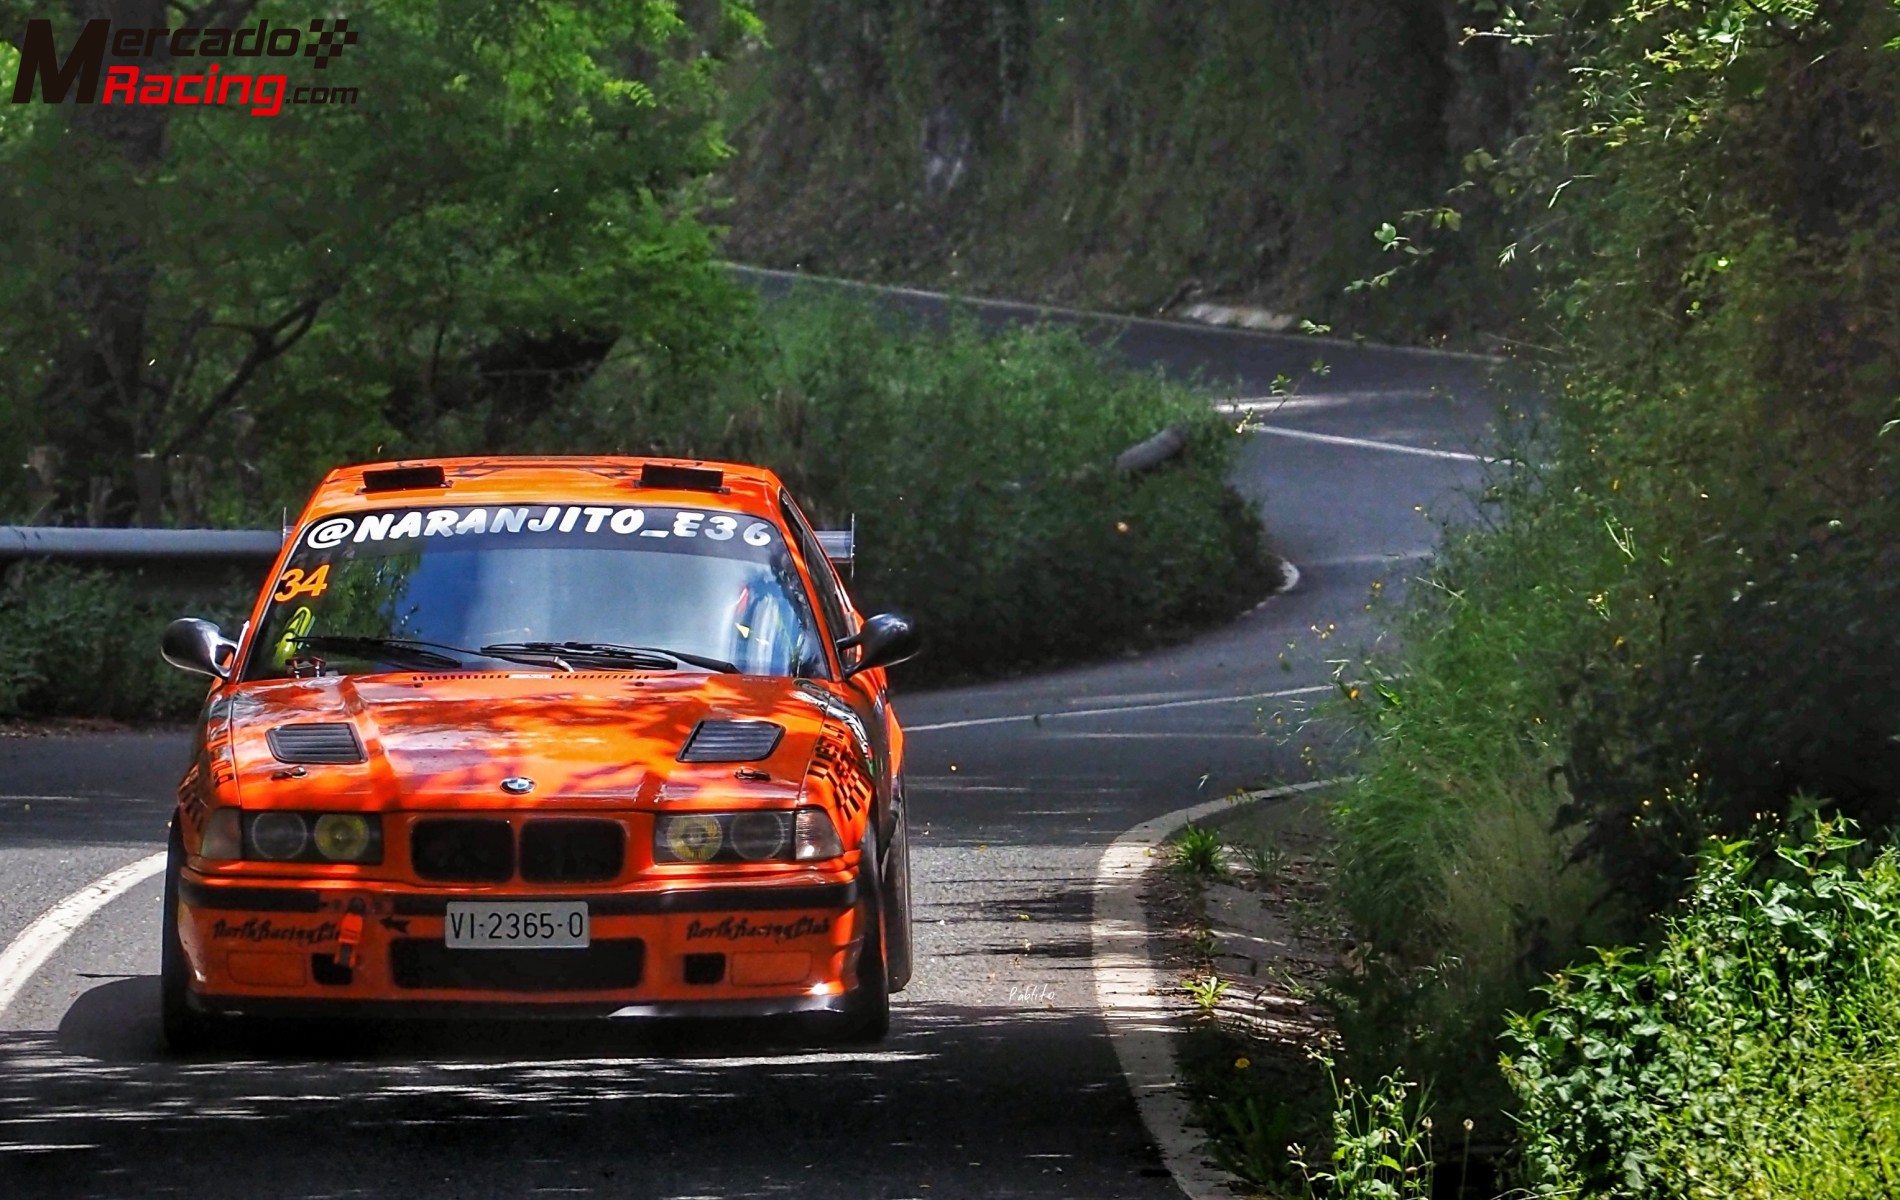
x=1311, y=402
x=1131, y=994
x=1101, y=712
x=1334, y=439
x=38, y=941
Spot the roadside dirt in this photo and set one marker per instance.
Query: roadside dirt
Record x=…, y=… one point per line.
x=1261, y=939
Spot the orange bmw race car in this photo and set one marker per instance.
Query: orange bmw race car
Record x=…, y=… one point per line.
x=556, y=736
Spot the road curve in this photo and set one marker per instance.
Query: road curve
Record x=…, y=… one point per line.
x=998, y=1080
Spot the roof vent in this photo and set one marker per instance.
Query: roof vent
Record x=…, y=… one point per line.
x=685, y=479
x=315, y=744
x=403, y=479
x=731, y=741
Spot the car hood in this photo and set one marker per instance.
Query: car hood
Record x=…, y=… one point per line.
x=588, y=739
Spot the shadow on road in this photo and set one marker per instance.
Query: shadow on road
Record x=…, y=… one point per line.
x=961, y=1101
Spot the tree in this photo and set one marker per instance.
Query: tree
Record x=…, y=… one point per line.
x=491, y=190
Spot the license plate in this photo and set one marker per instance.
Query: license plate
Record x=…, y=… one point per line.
x=556, y=925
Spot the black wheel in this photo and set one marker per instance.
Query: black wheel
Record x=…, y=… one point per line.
x=896, y=916
x=869, y=1017
x=185, y=1029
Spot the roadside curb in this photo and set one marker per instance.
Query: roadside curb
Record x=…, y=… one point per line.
x=1131, y=993
x=1289, y=577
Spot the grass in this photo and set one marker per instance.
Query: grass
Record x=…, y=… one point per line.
x=1453, y=874
x=1255, y=1095
x=1265, y=858
x=1200, y=852
x=1380, y=1144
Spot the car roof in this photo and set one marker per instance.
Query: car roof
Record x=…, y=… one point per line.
x=506, y=479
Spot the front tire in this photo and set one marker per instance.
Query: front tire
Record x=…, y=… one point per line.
x=896, y=914
x=185, y=1029
x=868, y=1020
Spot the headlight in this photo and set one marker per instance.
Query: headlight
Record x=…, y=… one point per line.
x=757, y=836
x=341, y=837
x=279, y=836
x=313, y=837
x=694, y=837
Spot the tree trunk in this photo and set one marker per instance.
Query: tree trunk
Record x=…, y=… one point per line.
x=98, y=409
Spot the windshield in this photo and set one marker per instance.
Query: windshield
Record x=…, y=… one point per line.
x=718, y=586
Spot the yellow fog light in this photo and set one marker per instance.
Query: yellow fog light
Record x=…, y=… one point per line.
x=343, y=837
x=693, y=837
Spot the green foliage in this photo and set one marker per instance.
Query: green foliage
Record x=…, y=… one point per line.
x=1251, y=1134
x=1461, y=892
x=1265, y=857
x=1381, y=1145
x=1199, y=851
x=1722, y=192
x=1206, y=992
x=236, y=295
x=85, y=644
x=1127, y=155
x=1669, y=629
x=977, y=468
x=1750, y=1053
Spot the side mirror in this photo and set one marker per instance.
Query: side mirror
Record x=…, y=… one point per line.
x=884, y=639
x=193, y=644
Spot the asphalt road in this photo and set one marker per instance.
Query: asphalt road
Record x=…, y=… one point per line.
x=999, y=1079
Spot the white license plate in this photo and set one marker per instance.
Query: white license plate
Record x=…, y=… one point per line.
x=480, y=925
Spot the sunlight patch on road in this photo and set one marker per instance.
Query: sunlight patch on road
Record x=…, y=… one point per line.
x=38, y=941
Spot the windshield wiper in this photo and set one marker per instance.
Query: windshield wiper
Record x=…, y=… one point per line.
x=612, y=652
x=393, y=650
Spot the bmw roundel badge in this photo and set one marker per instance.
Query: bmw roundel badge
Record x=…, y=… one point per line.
x=517, y=785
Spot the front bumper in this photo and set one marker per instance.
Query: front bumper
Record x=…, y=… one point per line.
x=751, y=950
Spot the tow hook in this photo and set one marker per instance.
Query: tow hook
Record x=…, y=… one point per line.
x=349, y=933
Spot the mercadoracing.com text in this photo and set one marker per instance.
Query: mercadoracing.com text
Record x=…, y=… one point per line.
x=265, y=94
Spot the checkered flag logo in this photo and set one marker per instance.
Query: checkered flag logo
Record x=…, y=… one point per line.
x=328, y=39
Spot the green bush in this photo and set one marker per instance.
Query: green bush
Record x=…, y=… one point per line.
x=978, y=469
x=1752, y=1053
x=1686, y=615
x=77, y=643
x=1451, y=871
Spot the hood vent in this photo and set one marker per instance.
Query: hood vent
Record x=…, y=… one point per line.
x=731, y=741
x=315, y=744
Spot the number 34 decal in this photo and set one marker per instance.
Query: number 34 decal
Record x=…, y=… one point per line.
x=294, y=584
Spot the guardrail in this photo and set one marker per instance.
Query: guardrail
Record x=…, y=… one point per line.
x=222, y=547
x=149, y=545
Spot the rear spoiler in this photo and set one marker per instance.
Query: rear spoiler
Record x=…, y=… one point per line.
x=841, y=545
